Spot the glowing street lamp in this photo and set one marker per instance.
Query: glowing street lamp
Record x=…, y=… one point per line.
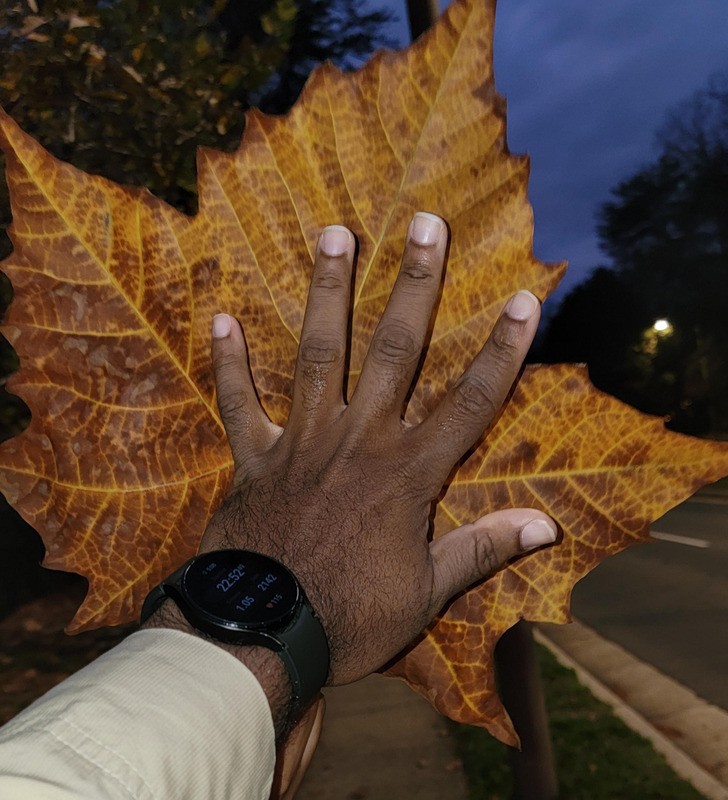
x=662, y=326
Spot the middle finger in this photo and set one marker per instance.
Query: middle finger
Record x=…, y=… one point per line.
x=396, y=346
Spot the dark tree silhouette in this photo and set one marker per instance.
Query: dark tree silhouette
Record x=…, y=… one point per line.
x=606, y=314
x=666, y=232
x=324, y=31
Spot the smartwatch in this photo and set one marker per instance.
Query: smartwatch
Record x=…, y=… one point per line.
x=242, y=597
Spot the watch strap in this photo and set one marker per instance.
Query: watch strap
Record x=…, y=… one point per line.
x=302, y=645
x=159, y=593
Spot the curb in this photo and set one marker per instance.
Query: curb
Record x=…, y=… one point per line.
x=690, y=733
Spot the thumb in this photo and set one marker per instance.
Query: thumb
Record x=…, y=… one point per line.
x=475, y=550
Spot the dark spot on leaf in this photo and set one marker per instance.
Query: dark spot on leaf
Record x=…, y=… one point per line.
x=526, y=452
x=206, y=274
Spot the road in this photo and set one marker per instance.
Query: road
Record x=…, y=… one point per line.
x=667, y=602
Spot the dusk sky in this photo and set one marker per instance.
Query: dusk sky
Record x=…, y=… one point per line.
x=588, y=84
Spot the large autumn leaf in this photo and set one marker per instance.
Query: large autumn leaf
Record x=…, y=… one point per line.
x=125, y=456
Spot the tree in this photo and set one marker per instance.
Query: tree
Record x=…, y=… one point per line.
x=337, y=31
x=421, y=14
x=130, y=88
x=598, y=323
x=666, y=234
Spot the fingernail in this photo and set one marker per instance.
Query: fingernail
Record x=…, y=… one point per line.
x=335, y=240
x=535, y=533
x=221, y=325
x=425, y=228
x=522, y=306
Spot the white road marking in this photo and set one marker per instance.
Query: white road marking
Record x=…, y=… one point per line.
x=709, y=500
x=675, y=539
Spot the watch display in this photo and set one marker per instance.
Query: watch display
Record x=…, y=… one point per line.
x=241, y=587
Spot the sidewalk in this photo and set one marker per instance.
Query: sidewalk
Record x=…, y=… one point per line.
x=381, y=741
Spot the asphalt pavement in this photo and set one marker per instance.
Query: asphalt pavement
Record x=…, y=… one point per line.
x=667, y=602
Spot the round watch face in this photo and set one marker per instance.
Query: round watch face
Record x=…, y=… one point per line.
x=244, y=588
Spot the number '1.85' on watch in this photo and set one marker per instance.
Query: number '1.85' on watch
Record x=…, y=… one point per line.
x=246, y=598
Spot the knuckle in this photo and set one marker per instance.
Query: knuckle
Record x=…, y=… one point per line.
x=329, y=280
x=316, y=350
x=417, y=269
x=232, y=406
x=474, y=397
x=227, y=361
x=395, y=344
x=505, y=344
x=485, y=555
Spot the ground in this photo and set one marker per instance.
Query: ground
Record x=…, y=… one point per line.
x=36, y=654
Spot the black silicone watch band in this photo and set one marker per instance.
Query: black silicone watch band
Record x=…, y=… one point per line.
x=303, y=643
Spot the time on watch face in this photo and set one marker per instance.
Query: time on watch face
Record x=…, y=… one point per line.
x=242, y=587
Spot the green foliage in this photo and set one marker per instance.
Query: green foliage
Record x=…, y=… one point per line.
x=128, y=88
x=666, y=232
x=597, y=756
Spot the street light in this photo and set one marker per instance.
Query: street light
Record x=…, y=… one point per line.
x=652, y=337
x=662, y=326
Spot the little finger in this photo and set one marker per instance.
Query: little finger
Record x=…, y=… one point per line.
x=248, y=428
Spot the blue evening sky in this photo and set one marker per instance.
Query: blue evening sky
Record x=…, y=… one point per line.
x=588, y=83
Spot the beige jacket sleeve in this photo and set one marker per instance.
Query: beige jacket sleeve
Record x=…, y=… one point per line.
x=162, y=716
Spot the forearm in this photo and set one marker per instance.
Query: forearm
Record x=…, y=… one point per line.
x=163, y=714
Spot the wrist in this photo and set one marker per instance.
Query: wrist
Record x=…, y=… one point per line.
x=264, y=663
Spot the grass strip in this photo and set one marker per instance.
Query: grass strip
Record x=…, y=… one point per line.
x=597, y=756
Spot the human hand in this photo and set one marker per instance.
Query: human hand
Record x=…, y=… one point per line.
x=342, y=495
